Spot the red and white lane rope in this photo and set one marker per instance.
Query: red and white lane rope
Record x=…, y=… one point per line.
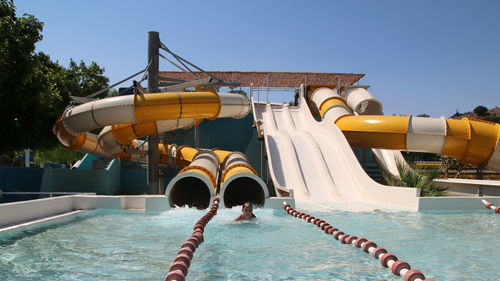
x=389, y=260
x=490, y=205
x=179, y=269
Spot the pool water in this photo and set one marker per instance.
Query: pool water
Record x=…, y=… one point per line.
x=134, y=245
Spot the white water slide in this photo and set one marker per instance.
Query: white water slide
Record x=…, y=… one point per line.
x=315, y=160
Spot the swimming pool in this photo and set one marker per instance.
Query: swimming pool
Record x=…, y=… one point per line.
x=134, y=245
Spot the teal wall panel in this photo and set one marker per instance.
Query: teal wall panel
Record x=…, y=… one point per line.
x=99, y=181
x=133, y=180
x=87, y=162
x=227, y=134
x=19, y=179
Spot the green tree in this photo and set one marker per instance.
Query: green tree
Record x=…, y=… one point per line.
x=85, y=80
x=17, y=62
x=59, y=154
x=481, y=110
x=33, y=89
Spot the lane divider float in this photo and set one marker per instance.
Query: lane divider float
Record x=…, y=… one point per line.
x=179, y=268
x=490, y=205
x=389, y=260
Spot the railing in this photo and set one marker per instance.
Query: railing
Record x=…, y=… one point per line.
x=256, y=93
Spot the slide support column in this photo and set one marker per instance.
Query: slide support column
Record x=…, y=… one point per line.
x=153, y=69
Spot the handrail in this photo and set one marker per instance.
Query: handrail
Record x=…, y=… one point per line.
x=285, y=90
x=253, y=105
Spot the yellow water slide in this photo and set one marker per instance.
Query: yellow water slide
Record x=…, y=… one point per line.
x=468, y=140
x=196, y=183
x=125, y=119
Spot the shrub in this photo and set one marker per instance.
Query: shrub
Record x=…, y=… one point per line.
x=423, y=179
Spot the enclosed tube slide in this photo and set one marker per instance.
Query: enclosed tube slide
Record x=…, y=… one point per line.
x=140, y=115
x=195, y=184
x=362, y=102
x=471, y=141
x=126, y=118
x=239, y=179
x=240, y=182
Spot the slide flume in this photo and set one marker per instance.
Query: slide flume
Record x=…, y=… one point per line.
x=315, y=160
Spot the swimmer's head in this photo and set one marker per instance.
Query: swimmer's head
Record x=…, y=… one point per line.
x=247, y=208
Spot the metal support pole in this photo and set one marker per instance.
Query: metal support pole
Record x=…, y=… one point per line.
x=262, y=152
x=196, y=136
x=267, y=174
x=479, y=176
x=27, y=158
x=153, y=61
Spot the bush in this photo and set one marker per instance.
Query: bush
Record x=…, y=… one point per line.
x=58, y=155
x=423, y=179
x=494, y=119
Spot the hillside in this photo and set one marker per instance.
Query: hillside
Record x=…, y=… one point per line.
x=492, y=115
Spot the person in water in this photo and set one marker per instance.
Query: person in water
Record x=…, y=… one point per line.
x=247, y=212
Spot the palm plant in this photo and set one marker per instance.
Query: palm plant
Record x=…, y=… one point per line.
x=423, y=179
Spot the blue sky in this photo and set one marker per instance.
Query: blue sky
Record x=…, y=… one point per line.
x=425, y=56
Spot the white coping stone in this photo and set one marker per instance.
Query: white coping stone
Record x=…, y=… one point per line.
x=21, y=212
x=471, y=182
x=40, y=221
x=454, y=203
x=133, y=202
x=157, y=203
